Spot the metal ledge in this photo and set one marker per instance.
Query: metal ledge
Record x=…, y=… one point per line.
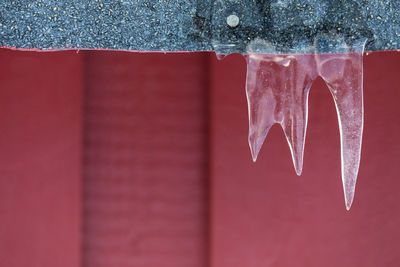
x=196, y=25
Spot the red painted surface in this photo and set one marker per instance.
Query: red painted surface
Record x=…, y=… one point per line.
x=154, y=130
x=145, y=160
x=264, y=215
x=40, y=159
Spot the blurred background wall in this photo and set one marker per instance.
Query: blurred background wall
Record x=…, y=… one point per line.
x=127, y=159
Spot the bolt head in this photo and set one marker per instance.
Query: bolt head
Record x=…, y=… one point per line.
x=232, y=21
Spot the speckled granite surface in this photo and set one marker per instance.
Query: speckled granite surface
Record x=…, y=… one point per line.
x=195, y=25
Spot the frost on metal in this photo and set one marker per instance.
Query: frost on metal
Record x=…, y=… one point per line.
x=277, y=92
x=292, y=25
x=195, y=25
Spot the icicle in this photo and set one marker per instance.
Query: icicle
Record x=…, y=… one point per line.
x=343, y=74
x=277, y=90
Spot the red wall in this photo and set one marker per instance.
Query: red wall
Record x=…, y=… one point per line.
x=125, y=159
x=40, y=159
x=145, y=160
x=264, y=215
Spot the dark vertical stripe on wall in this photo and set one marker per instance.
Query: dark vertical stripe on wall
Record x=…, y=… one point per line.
x=145, y=162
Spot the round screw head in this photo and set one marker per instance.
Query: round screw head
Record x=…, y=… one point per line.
x=232, y=21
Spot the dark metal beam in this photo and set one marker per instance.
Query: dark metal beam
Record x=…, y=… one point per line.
x=196, y=25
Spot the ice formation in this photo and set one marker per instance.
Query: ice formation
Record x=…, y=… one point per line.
x=277, y=91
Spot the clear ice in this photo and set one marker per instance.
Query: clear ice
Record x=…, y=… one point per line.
x=277, y=91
